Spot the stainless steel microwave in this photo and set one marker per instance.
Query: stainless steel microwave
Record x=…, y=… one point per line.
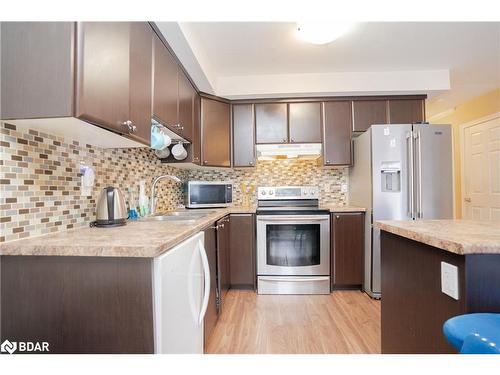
x=201, y=194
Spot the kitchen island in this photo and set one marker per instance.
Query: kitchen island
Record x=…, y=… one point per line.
x=414, y=306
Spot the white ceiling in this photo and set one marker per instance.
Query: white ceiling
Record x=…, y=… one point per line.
x=451, y=62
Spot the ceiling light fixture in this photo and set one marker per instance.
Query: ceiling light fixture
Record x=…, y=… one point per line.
x=322, y=32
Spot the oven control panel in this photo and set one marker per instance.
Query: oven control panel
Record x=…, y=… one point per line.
x=287, y=192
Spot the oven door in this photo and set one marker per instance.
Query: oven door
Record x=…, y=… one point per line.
x=293, y=245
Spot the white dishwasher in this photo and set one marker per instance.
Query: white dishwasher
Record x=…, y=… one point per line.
x=181, y=288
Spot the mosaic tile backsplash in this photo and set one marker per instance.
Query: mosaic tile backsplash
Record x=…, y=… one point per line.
x=40, y=180
x=282, y=172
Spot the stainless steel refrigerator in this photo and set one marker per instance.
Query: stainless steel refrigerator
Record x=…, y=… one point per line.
x=400, y=172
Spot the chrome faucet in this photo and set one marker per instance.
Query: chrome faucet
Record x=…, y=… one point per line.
x=153, y=188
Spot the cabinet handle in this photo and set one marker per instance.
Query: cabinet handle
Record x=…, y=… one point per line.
x=251, y=163
x=214, y=227
x=130, y=126
x=328, y=162
x=284, y=140
x=337, y=217
x=205, y=162
x=292, y=140
x=196, y=158
x=222, y=225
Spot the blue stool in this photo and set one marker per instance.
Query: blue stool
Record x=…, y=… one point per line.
x=474, y=333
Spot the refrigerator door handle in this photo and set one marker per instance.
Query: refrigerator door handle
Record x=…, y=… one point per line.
x=418, y=174
x=206, y=271
x=409, y=171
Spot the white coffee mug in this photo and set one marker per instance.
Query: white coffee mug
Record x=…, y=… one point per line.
x=167, y=139
x=179, y=152
x=162, y=154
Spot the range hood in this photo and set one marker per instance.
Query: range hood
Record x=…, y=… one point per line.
x=289, y=151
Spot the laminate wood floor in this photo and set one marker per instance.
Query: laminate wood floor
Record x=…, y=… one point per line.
x=342, y=322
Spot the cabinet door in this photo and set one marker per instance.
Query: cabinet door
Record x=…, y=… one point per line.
x=242, y=251
x=103, y=85
x=348, y=249
x=337, y=136
x=215, y=133
x=165, y=92
x=186, y=102
x=211, y=314
x=406, y=111
x=305, y=122
x=196, y=141
x=223, y=275
x=271, y=123
x=367, y=113
x=243, y=135
x=141, y=71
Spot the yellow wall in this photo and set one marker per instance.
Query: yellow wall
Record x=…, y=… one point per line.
x=476, y=108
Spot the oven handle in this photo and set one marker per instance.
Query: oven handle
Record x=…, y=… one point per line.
x=294, y=278
x=293, y=218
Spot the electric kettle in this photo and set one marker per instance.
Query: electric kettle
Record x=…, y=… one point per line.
x=111, y=208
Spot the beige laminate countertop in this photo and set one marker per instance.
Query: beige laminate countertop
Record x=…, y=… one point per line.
x=136, y=239
x=461, y=237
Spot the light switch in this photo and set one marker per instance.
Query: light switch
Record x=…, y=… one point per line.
x=449, y=280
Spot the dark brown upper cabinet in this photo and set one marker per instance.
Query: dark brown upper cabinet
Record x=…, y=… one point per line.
x=166, y=86
x=337, y=133
x=304, y=121
x=215, y=133
x=98, y=72
x=368, y=112
x=243, y=135
x=271, y=122
x=196, y=142
x=114, y=70
x=103, y=77
x=347, y=239
x=141, y=71
x=187, y=95
x=406, y=111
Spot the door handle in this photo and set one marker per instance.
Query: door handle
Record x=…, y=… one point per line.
x=206, y=271
x=293, y=218
x=468, y=200
x=409, y=172
x=418, y=148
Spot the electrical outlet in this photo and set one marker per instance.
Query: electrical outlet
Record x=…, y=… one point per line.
x=343, y=188
x=449, y=280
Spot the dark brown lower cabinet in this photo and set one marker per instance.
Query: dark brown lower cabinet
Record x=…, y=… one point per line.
x=413, y=307
x=347, y=249
x=211, y=315
x=223, y=275
x=242, y=251
x=78, y=304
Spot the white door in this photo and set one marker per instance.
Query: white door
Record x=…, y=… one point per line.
x=481, y=170
x=180, y=297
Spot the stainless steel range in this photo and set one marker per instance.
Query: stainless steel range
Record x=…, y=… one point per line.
x=293, y=241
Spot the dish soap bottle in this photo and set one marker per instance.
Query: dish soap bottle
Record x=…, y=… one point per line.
x=143, y=199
